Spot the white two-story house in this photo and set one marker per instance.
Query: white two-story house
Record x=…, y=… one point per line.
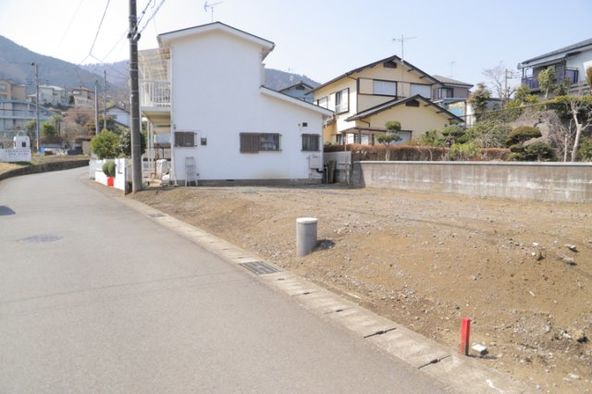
x=204, y=88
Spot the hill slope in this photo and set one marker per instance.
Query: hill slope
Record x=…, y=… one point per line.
x=15, y=64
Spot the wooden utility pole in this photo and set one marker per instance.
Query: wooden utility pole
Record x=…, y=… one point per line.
x=133, y=37
x=104, y=99
x=96, y=107
x=36, y=104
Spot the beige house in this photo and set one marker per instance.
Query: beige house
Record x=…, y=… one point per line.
x=365, y=98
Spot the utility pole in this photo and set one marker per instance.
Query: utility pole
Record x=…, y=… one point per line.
x=36, y=104
x=104, y=99
x=96, y=106
x=133, y=37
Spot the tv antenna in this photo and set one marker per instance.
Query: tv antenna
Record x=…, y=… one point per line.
x=210, y=7
x=452, y=63
x=402, y=40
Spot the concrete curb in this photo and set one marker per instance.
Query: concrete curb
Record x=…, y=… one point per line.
x=46, y=167
x=455, y=372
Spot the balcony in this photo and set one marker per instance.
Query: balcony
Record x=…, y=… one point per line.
x=155, y=94
x=569, y=74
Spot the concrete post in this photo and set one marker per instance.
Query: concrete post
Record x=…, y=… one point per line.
x=306, y=235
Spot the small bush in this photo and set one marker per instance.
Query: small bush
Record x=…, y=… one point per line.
x=109, y=168
x=537, y=151
x=522, y=134
x=105, y=145
x=465, y=151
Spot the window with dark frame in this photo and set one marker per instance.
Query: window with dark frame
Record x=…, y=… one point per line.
x=412, y=103
x=259, y=142
x=311, y=142
x=342, y=101
x=184, y=139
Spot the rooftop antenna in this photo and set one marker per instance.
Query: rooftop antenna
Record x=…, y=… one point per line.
x=402, y=40
x=211, y=6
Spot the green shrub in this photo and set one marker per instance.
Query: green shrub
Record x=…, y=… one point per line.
x=105, y=144
x=454, y=134
x=109, y=168
x=466, y=151
x=522, y=134
x=585, y=149
x=537, y=151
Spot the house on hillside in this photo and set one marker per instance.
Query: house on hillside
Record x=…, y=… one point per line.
x=50, y=95
x=570, y=64
x=119, y=115
x=16, y=111
x=203, y=88
x=300, y=90
x=365, y=98
x=452, y=95
x=82, y=98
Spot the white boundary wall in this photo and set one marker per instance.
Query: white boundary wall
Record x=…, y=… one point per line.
x=15, y=154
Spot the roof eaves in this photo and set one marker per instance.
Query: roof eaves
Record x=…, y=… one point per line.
x=293, y=100
x=565, y=50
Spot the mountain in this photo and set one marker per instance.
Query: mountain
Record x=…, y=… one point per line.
x=277, y=80
x=15, y=64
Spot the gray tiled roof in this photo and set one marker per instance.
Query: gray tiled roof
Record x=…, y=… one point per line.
x=560, y=51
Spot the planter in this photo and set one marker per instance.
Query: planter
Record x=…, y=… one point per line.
x=110, y=181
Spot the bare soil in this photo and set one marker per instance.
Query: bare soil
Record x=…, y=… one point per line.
x=522, y=270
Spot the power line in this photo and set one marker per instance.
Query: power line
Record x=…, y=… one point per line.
x=144, y=12
x=151, y=16
x=99, y=28
x=70, y=24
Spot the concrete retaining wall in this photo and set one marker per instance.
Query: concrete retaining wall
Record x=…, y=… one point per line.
x=571, y=182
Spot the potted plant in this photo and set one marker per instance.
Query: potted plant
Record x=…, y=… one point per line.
x=109, y=170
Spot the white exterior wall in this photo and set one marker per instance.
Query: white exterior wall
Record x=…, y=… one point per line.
x=216, y=93
x=580, y=61
x=119, y=116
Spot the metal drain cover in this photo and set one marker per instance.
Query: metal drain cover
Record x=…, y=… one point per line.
x=41, y=238
x=259, y=267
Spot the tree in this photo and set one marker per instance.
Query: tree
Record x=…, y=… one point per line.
x=546, y=80
x=125, y=143
x=498, y=80
x=522, y=134
x=589, y=78
x=453, y=134
x=56, y=121
x=478, y=99
x=105, y=145
x=393, y=128
x=48, y=131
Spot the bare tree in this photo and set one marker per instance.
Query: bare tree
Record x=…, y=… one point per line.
x=498, y=81
x=581, y=116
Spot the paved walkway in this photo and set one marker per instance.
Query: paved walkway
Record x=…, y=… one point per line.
x=95, y=297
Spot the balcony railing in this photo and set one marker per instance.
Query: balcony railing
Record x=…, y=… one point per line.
x=155, y=94
x=569, y=74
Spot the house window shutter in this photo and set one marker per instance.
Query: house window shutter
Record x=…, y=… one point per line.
x=249, y=142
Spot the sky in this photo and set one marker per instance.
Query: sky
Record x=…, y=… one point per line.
x=321, y=39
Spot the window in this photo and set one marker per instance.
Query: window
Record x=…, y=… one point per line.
x=390, y=64
x=311, y=142
x=323, y=102
x=257, y=142
x=384, y=88
x=342, y=101
x=185, y=139
x=446, y=93
x=423, y=90
x=412, y=103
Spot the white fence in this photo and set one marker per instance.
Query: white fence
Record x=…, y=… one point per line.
x=15, y=154
x=122, y=172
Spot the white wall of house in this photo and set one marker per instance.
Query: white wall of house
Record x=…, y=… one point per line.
x=216, y=93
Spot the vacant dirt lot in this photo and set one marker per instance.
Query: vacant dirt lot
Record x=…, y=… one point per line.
x=521, y=270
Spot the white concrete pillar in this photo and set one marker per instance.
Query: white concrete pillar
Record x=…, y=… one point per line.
x=306, y=235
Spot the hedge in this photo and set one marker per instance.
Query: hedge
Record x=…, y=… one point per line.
x=411, y=152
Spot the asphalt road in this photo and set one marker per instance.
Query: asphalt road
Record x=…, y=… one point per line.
x=95, y=297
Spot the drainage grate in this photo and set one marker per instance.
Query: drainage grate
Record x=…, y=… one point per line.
x=41, y=238
x=259, y=267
